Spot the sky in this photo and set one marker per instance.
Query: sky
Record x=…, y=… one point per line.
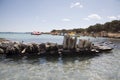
x=46, y=15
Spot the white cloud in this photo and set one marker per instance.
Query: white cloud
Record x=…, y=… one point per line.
x=77, y=4
x=86, y=19
x=112, y=17
x=94, y=16
x=66, y=19
x=118, y=16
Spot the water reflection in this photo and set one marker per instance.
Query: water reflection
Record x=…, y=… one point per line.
x=46, y=59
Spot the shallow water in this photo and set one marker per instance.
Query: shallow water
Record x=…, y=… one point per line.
x=105, y=66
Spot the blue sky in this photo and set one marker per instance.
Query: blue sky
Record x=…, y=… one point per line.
x=46, y=15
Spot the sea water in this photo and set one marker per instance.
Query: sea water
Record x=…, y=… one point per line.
x=32, y=38
x=105, y=66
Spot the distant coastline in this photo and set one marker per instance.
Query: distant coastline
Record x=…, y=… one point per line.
x=109, y=29
x=15, y=32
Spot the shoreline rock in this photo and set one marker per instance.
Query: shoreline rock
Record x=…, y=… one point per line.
x=4, y=40
x=69, y=47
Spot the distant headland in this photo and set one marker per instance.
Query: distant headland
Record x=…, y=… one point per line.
x=108, y=29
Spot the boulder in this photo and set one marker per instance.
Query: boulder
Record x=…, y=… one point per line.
x=10, y=50
x=69, y=42
x=81, y=43
x=1, y=51
x=66, y=41
x=87, y=44
x=51, y=47
x=35, y=48
x=72, y=42
x=42, y=48
x=17, y=48
x=30, y=48
x=4, y=45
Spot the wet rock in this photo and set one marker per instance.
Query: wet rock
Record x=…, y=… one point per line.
x=54, y=48
x=42, y=48
x=60, y=46
x=14, y=48
x=35, y=48
x=1, y=51
x=29, y=48
x=4, y=45
x=10, y=50
x=87, y=44
x=65, y=41
x=69, y=45
x=81, y=43
x=51, y=47
x=17, y=48
x=9, y=47
x=72, y=42
x=69, y=42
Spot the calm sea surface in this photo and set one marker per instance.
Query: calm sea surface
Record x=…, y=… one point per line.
x=103, y=67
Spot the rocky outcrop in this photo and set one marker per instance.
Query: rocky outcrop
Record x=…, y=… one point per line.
x=69, y=46
x=1, y=51
x=69, y=42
